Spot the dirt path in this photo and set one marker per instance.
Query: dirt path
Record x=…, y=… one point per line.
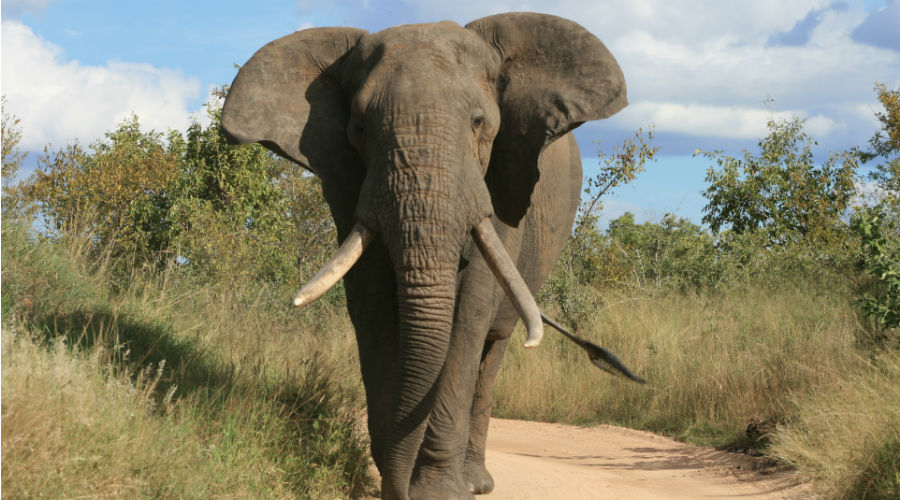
x=532, y=460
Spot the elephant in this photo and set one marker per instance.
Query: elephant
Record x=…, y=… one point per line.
x=448, y=164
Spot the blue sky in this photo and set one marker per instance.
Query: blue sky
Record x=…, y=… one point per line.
x=700, y=71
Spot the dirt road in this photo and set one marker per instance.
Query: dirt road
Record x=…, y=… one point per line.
x=532, y=460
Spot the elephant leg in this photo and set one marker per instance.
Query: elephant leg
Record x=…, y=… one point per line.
x=380, y=382
x=475, y=473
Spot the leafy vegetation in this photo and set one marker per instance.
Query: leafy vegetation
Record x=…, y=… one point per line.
x=231, y=213
x=782, y=191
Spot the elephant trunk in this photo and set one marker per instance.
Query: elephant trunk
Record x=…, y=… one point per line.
x=424, y=229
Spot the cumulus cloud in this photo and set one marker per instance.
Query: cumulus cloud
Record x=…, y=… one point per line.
x=59, y=100
x=733, y=122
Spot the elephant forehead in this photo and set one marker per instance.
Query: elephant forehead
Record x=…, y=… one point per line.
x=427, y=48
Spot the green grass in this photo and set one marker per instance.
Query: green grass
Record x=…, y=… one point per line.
x=150, y=384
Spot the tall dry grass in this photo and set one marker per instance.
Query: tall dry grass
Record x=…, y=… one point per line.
x=123, y=382
x=712, y=361
x=845, y=437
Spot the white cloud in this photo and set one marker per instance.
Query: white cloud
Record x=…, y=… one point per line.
x=733, y=122
x=60, y=100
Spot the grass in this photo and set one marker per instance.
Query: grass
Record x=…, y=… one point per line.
x=159, y=386
x=845, y=438
x=712, y=362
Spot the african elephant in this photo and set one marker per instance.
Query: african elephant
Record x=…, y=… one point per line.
x=446, y=159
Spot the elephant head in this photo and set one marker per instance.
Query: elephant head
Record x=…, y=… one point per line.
x=419, y=134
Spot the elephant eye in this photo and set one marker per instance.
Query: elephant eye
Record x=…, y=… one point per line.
x=477, y=120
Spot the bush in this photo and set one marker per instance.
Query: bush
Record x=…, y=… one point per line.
x=879, y=261
x=229, y=213
x=782, y=191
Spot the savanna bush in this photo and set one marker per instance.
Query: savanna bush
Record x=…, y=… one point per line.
x=231, y=213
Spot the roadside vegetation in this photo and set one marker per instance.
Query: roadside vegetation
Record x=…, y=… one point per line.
x=148, y=352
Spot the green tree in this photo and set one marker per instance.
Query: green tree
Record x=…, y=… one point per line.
x=879, y=258
x=885, y=145
x=117, y=191
x=782, y=191
x=585, y=253
x=244, y=213
x=674, y=252
x=878, y=226
x=587, y=259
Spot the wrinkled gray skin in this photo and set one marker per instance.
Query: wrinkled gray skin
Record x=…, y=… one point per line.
x=420, y=132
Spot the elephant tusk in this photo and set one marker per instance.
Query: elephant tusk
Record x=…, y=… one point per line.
x=347, y=255
x=510, y=280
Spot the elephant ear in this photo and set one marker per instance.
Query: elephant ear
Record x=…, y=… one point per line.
x=554, y=76
x=288, y=98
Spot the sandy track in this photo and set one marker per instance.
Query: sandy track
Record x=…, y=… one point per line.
x=533, y=460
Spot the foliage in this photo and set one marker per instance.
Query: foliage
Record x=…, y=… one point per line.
x=116, y=192
x=782, y=191
x=673, y=252
x=880, y=259
x=878, y=225
x=232, y=213
x=626, y=162
x=886, y=144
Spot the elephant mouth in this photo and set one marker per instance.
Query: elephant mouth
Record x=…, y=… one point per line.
x=488, y=244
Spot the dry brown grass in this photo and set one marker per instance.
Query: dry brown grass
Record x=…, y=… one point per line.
x=159, y=386
x=845, y=436
x=712, y=362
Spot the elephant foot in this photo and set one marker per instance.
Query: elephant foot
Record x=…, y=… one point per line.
x=477, y=478
x=438, y=488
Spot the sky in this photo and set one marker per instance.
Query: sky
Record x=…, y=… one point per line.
x=705, y=74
